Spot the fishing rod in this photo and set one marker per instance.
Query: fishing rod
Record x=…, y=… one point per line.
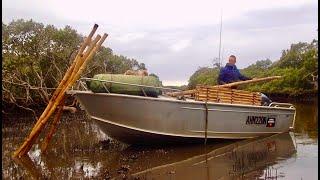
x=220, y=40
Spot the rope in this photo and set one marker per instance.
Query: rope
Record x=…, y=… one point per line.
x=310, y=74
x=206, y=119
x=111, y=83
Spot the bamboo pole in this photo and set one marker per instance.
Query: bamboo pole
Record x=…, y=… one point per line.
x=250, y=81
x=69, y=71
x=29, y=165
x=226, y=85
x=41, y=122
x=53, y=127
x=75, y=68
x=37, y=129
x=88, y=55
x=76, y=77
x=69, y=80
x=80, y=62
x=85, y=43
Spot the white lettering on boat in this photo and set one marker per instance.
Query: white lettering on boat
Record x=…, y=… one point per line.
x=270, y=122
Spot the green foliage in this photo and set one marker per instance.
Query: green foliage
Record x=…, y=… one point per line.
x=154, y=75
x=295, y=66
x=204, y=76
x=256, y=69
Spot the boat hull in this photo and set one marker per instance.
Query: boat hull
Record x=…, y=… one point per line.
x=134, y=119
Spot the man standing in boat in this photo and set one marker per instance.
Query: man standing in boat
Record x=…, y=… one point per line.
x=230, y=74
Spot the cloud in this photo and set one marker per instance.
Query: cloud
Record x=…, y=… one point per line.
x=126, y=38
x=277, y=17
x=180, y=45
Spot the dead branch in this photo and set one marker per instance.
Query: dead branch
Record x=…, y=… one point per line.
x=70, y=109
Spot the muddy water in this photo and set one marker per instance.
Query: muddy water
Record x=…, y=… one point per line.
x=79, y=150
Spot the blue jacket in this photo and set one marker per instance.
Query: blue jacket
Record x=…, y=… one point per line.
x=229, y=74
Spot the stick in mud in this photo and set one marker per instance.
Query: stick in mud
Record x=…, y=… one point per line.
x=53, y=127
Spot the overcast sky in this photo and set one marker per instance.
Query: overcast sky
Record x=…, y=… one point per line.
x=174, y=38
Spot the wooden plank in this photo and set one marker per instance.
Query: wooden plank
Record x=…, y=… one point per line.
x=251, y=81
x=230, y=96
x=228, y=101
x=242, y=102
x=204, y=92
x=215, y=89
x=210, y=96
x=225, y=85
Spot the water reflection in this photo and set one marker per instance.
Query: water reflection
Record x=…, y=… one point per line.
x=307, y=119
x=80, y=150
x=88, y=154
x=238, y=159
x=245, y=159
x=29, y=165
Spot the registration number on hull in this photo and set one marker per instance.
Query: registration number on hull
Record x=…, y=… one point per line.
x=261, y=120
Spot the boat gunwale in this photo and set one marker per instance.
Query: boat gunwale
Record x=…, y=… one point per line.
x=72, y=92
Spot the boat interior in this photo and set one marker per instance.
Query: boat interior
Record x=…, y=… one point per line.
x=203, y=93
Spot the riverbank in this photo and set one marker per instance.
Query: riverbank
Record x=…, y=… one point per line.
x=303, y=97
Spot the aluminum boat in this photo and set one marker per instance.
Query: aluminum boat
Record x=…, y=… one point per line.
x=139, y=120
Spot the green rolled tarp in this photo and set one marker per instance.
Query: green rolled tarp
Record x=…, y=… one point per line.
x=98, y=86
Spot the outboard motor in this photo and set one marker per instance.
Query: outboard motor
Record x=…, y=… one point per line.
x=265, y=101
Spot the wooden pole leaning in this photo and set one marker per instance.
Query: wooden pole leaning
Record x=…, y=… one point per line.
x=70, y=70
x=53, y=126
x=88, y=55
x=37, y=129
x=91, y=51
x=67, y=84
x=78, y=60
x=188, y=92
x=250, y=81
x=67, y=81
x=84, y=58
x=55, y=100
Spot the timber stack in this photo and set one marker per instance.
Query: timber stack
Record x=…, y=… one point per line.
x=224, y=93
x=227, y=95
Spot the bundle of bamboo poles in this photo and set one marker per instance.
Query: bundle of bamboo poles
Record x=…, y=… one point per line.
x=193, y=91
x=87, y=50
x=227, y=95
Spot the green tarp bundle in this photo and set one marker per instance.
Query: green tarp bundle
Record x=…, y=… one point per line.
x=97, y=86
